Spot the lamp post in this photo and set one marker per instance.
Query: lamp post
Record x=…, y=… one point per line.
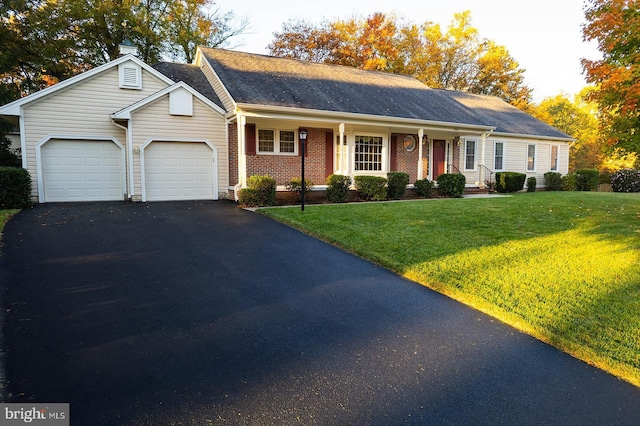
x=303, y=138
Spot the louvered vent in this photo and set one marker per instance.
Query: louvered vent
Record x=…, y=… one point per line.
x=130, y=77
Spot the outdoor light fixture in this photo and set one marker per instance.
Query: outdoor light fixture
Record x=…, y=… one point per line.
x=302, y=134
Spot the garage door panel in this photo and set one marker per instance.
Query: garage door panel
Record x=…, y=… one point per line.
x=82, y=170
x=179, y=171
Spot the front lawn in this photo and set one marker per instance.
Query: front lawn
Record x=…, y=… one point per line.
x=561, y=266
x=5, y=215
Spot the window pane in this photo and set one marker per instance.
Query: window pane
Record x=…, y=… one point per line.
x=265, y=140
x=554, y=157
x=287, y=141
x=368, y=153
x=531, y=157
x=497, y=163
x=470, y=157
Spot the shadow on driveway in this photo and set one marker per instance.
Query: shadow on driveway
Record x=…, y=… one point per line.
x=202, y=313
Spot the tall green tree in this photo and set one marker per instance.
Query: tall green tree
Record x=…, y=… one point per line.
x=456, y=58
x=615, y=26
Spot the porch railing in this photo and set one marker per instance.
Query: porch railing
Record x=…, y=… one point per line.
x=453, y=169
x=489, y=183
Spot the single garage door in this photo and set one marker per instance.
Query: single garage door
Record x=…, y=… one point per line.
x=179, y=171
x=82, y=170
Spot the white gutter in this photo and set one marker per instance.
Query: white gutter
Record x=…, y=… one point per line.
x=523, y=136
x=23, y=139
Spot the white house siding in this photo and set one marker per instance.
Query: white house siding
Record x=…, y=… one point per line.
x=216, y=84
x=83, y=109
x=515, y=158
x=154, y=122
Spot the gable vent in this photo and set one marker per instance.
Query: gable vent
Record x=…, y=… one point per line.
x=130, y=76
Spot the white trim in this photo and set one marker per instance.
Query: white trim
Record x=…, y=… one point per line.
x=23, y=140
x=384, y=154
x=13, y=108
x=557, y=157
x=536, y=137
x=151, y=140
x=136, y=84
x=79, y=138
x=125, y=113
x=203, y=59
x=276, y=142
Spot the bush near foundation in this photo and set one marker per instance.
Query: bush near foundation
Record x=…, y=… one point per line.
x=532, y=182
x=451, y=184
x=338, y=188
x=15, y=188
x=587, y=179
x=295, y=186
x=260, y=192
x=371, y=188
x=396, y=184
x=553, y=181
x=510, y=181
x=424, y=187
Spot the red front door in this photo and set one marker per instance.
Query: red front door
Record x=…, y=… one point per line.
x=439, y=155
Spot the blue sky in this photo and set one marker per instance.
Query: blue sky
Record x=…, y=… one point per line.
x=543, y=36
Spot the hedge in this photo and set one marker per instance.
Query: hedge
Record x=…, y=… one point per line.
x=15, y=188
x=424, y=187
x=451, y=184
x=338, y=188
x=371, y=188
x=587, y=179
x=553, y=181
x=510, y=181
x=260, y=192
x=396, y=184
x=295, y=186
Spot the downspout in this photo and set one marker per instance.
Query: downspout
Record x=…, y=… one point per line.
x=420, y=167
x=23, y=139
x=127, y=132
x=241, y=121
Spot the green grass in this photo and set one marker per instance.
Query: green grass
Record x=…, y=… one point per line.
x=5, y=215
x=561, y=266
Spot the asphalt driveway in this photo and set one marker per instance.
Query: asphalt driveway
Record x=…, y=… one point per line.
x=200, y=313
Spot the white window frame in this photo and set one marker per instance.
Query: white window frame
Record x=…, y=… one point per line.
x=276, y=142
x=475, y=155
x=551, y=166
x=504, y=147
x=384, y=158
x=535, y=157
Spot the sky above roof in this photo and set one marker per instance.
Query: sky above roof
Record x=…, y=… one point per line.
x=543, y=36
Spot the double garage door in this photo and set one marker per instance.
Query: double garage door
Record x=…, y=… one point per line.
x=93, y=170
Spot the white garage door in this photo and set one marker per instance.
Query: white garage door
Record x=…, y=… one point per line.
x=82, y=170
x=179, y=171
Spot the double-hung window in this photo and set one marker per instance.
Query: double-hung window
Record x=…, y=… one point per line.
x=531, y=157
x=470, y=154
x=498, y=156
x=368, y=153
x=272, y=141
x=554, y=157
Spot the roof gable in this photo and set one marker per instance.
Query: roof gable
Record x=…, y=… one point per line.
x=192, y=75
x=125, y=113
x=14, y=108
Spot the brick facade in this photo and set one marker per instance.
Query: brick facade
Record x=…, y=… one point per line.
x=408, y=161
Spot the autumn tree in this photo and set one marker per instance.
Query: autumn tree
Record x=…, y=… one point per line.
x=615, y=26
x=455, y=58
x=576, y=117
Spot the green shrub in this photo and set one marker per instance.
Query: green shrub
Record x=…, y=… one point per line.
x=604, y=178
x=587, y=179
x=295, y=186
x=451, y=184
x=510, y=181
x=260, y=191
x=626, y=180
x=396, y=184
x=15, y=188
x=569, y=182
x=9, y=159
x=338, y=188
x=532, y=182
x=371, y=187
x=553, y=181
x=424, y=187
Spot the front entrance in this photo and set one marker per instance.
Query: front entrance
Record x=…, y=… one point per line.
x=439, y=157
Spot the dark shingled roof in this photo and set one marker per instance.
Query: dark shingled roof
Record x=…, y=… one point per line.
x=192, y=75
x=266, y=80
x=504, y=116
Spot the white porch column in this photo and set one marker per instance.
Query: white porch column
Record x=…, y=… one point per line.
x=242, y=157
x=342, y=166
x=420, y=167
